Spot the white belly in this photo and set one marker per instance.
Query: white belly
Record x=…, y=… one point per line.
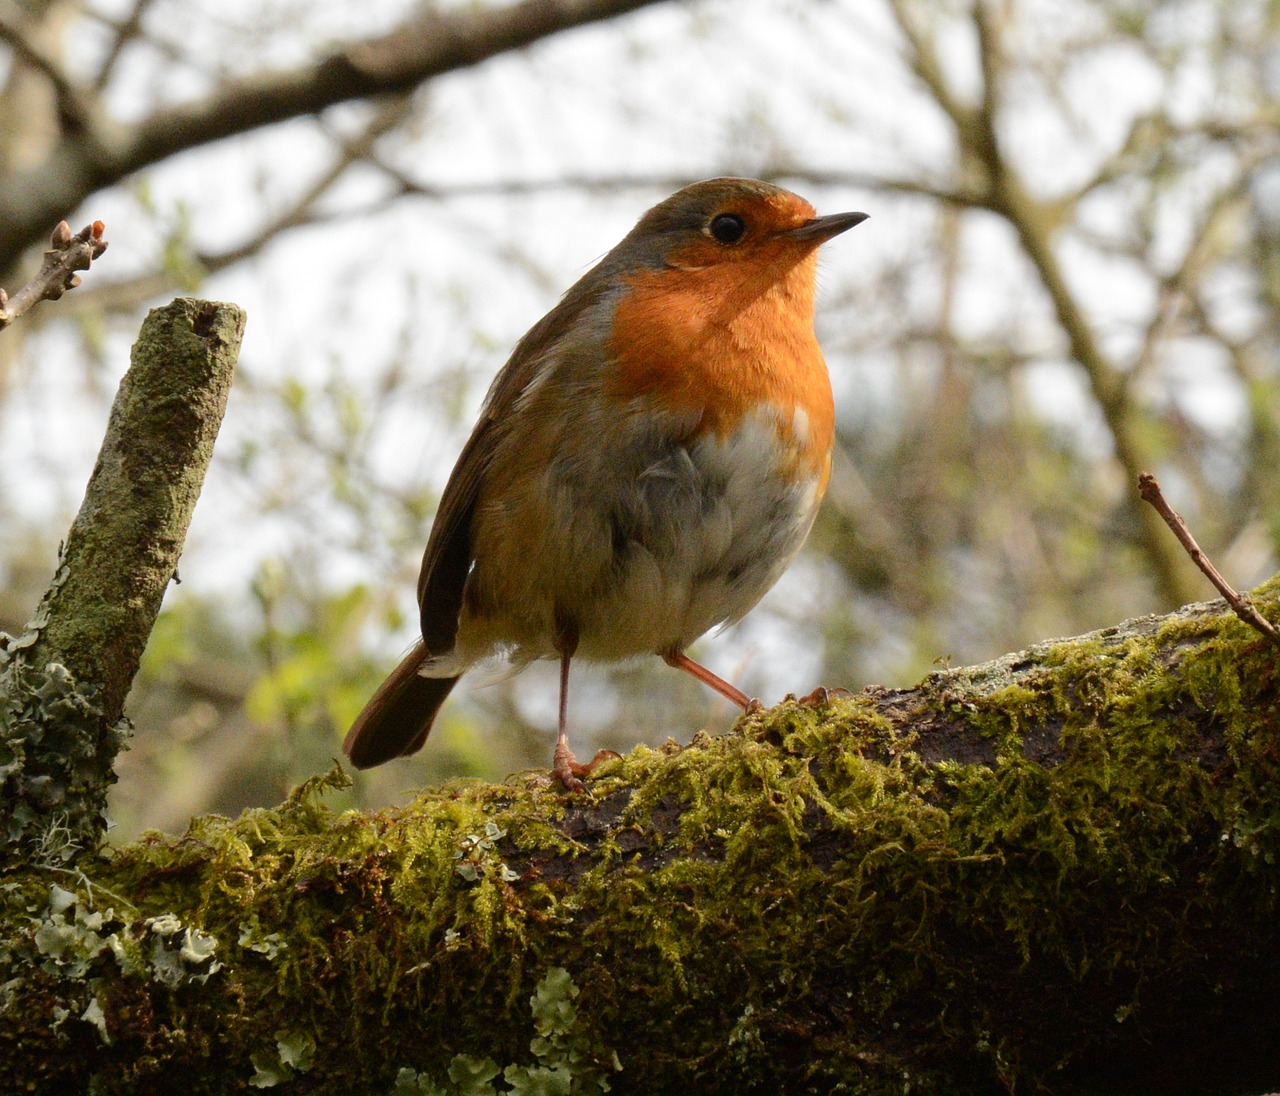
x=698, y=539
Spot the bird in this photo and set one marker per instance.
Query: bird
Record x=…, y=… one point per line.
x=645, y=465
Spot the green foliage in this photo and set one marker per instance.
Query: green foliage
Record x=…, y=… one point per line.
x=173, y=224
x=309, y=675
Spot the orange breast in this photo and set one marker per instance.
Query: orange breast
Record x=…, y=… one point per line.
x=721, y=342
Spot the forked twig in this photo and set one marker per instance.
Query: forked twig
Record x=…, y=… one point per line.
x=1149, y=489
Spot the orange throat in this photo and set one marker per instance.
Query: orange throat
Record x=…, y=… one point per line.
x=725, y=342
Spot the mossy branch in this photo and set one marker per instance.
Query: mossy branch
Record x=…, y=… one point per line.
x=1054, y=872
x=66, y=678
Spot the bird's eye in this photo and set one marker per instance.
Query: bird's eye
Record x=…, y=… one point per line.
x=728, y=228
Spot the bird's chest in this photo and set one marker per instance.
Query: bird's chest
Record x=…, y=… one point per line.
x=664, y=534
x=659, y=486
x=732, y=358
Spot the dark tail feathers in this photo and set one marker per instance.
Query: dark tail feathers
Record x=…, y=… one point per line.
x=398, y=717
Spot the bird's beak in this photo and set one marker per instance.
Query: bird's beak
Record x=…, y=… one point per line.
x=821, y=229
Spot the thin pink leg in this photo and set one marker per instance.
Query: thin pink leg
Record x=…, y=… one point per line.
x=565, y=767
x=564, y=764
x=682, y=661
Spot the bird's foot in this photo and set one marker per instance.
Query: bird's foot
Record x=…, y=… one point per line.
x=568, y=769
x=822, y=696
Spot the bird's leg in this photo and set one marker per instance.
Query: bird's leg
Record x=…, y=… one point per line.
x=565, y=767
x=682, y=661
x=564, y=763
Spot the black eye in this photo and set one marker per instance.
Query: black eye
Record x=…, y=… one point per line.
x=728, y=228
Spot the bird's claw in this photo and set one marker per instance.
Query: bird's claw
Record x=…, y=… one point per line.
x=568, y=770
x=822, y=696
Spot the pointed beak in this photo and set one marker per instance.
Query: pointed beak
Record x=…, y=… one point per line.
x=821, y=229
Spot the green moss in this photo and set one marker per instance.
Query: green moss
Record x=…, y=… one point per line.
x=819, y=901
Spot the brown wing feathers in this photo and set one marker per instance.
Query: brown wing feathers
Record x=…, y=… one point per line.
x=398, y=717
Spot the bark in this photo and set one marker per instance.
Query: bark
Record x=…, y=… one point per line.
x=1053, y=872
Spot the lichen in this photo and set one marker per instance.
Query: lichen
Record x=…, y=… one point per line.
x=56, y=757
x=565, y=1061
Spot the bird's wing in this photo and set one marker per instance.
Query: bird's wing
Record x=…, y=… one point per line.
x=448, y=557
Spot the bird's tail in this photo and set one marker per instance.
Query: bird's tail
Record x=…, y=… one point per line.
x=398, y=717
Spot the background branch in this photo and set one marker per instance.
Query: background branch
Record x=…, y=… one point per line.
x=432, y=44
x=72, y=102
x=1036, y=223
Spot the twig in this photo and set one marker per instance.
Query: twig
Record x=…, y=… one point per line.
x=66, y=255
x=1243, y=605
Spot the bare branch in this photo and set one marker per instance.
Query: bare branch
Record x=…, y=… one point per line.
x=58, y=271
x=431, y=44
x=991, y=59
x=128, y=294
x=302, y=212
x=1175, y=290
x=1036, y=223
x=955, y=196
x=924, y=62
x=1242, y=604
x=126, y=31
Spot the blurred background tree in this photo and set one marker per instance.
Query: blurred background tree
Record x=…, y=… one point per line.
x=1070, y=275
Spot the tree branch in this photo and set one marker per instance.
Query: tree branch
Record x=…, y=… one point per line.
x=433, y=43
x=1039, y=874
x=81, y=650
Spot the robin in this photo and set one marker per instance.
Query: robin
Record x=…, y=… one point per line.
x=645, y=467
